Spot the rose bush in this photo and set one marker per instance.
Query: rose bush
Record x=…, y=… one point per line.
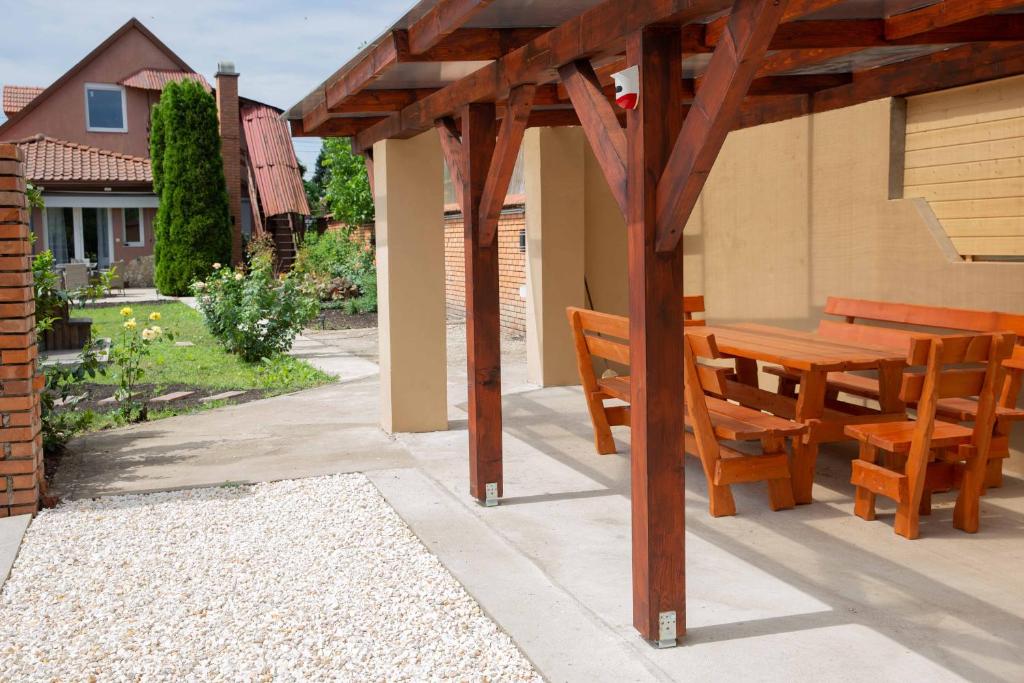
x=254, y=314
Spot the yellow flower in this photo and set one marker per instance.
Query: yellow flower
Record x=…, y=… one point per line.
x=148, y=334
x=155, y=315
x=216, y=266
x=126, y=311
x=130, y=324
x=239, y=276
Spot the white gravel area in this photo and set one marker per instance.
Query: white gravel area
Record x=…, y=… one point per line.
x=315, y=579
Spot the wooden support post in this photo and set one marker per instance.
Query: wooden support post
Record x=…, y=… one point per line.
x=483, y=331
x=656, y=361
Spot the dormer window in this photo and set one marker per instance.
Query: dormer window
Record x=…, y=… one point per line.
x=105, y=110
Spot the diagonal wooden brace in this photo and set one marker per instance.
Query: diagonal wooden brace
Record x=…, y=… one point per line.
x=736, y=59
x=451, y=148
x=600, y=124
x=503, y=161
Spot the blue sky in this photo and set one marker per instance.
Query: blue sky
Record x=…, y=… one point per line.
x=281, y=48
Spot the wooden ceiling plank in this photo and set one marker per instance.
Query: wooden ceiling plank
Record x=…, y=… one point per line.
x=600, y=124
x=789, y=60
x=503, y=161
x=942, y=14
x=716, y=107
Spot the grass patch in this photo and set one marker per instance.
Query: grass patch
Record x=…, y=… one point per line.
x=206, y=364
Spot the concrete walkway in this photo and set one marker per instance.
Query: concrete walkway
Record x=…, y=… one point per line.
x=810, y=593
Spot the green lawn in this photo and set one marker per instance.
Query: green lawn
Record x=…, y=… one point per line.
x=206, y=364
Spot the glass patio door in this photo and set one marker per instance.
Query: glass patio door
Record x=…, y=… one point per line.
x=95, y=231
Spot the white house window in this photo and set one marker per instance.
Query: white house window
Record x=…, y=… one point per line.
x=134, y=228
x=105, y=110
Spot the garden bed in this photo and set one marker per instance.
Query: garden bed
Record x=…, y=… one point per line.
x=194, y=361
x=337, y=319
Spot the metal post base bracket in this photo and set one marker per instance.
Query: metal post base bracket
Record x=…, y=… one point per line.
x=666, y=630
x=491, y=495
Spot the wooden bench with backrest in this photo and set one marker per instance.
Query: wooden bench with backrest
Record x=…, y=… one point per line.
x=927, y=454
x=709, y=418
x=922, y=320
x=606, y=385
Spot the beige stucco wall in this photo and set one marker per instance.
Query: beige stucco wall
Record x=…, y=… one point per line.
x=799, y=210
x=554, y=173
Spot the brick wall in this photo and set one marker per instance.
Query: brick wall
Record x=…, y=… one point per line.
x=511, y=267
x=21, y=446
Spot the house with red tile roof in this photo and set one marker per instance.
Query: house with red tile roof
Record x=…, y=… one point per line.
x=86, y=143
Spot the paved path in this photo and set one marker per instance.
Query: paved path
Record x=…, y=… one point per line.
x=810, y=593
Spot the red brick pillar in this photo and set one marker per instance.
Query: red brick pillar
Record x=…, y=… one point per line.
x=21, y=444
x=230, y=149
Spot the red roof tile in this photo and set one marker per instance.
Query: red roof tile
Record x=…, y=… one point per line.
x=51, y=160
x=17, y=96
x=157, y=79
x=273, y=161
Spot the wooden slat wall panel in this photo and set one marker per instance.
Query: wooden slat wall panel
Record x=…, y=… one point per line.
x=965, y=155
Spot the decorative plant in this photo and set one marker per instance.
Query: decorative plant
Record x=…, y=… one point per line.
x=254, y=314
x=193, y=224
x=339, y=267
x=132, y=346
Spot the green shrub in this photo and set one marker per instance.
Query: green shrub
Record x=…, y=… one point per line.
x=253, y=314
x=339, y=267
x=193, y=225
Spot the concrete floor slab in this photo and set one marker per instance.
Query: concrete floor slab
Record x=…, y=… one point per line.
x=12, y=529
x=810, y=593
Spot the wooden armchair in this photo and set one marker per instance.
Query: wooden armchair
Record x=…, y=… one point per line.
x=713, y=421
x=927, y=454
x=710, y=418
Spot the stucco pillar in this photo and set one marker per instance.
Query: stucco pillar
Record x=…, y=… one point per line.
x=554, y=172
x=606, y=249
x=409, y=198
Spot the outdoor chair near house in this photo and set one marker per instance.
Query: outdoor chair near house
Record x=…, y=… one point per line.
x=711, y=421
x=76, y=276
x=927, y=454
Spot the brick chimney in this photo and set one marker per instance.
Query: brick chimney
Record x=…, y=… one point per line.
x=227, y=114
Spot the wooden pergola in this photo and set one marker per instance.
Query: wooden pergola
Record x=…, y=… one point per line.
x=482, y=71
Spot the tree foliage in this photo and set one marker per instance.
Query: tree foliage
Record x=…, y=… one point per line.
x=193, y=225
x=347, y=188
x=316, y=185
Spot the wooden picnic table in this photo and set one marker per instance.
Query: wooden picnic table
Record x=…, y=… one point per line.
x=811, y=357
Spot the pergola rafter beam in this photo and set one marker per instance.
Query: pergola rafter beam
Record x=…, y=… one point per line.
x=441, y=20
x=599, y=30
x=957, y=66
x=736, y=59
x=600, y=124
x=461, y=45
x=942, y=14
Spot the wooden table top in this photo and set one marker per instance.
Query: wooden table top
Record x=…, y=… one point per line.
x=797, y=350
